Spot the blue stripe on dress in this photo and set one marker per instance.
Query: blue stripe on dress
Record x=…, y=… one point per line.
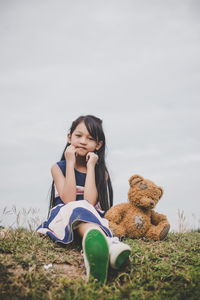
x=65, y=217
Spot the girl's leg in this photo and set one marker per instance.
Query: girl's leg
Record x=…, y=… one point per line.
x=83, y=227
x=95, y=251
x=118, y=251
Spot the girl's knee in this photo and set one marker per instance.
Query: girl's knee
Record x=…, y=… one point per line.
x=83, y=227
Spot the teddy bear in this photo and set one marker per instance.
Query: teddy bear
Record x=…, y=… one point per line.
x=137, y=218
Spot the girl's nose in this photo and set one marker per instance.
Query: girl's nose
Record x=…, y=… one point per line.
x=83, y=140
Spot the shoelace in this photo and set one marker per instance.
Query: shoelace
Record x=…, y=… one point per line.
x=115, y=240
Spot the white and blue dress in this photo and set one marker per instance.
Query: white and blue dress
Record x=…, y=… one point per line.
x=65, y=218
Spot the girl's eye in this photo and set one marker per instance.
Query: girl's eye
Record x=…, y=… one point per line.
x=78, y=135
x=91, y=139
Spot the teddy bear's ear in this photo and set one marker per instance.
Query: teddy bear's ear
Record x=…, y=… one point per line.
x=135, y=179
x=161, y=191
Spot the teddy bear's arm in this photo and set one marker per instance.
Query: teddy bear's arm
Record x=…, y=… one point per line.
x=159, y=228
x=115, y=216
x=157, y=218
x=116, y=213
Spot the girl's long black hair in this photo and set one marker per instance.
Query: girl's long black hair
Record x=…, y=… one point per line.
x=102, y=177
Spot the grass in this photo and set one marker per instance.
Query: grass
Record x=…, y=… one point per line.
x=168, y=269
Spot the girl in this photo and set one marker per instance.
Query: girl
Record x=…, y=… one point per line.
x=81, y=194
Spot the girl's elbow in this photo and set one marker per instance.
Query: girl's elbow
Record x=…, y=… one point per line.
x=66, y=199
x=91, y=200
x=63, y=198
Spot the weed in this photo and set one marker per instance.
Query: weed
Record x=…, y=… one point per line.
x=26, y=218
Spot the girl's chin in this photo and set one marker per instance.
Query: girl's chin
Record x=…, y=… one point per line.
x=81, y=153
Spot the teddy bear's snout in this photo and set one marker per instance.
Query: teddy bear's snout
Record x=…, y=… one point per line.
x=152, y=203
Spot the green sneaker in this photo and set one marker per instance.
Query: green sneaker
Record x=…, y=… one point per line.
x=118, y=251
x=96, y=254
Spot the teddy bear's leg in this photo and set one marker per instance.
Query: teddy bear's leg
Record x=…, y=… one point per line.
x=152, y=233
x=157, y=233
x=118, y=230
x=164, y=232
x=159, y=228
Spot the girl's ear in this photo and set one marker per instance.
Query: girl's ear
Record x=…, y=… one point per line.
x=98, y=146
x=69, y=138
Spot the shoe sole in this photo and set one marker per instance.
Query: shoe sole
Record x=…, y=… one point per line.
x=122, y=259
x=97, y=254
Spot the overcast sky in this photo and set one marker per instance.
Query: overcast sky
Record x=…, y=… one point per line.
x=135, y=64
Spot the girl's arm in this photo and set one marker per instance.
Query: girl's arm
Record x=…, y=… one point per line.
x=90, y=189
x=66, y=186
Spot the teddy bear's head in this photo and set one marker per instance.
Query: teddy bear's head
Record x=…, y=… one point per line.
x=143, y=192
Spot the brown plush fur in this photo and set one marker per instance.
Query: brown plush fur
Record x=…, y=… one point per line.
x=137, y=218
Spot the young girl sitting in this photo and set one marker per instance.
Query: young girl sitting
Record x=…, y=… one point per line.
x=81, y=194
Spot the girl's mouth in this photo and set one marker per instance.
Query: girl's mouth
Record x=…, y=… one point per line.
x=81, y=148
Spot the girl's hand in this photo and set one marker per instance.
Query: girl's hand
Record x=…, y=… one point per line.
x=91, y=159
x=70, y=154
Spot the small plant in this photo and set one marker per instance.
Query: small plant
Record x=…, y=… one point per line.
x=182, y=222
x=26, y=218
x=195, y=224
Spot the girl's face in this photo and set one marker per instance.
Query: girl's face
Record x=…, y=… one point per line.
x=82, y=140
